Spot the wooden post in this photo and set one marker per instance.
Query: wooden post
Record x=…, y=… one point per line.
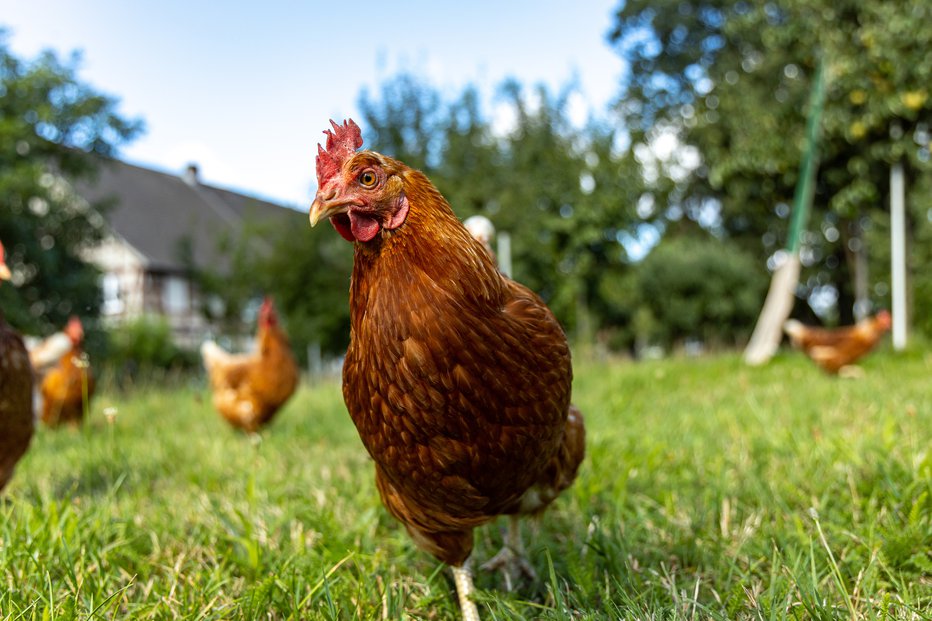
x=898, y=254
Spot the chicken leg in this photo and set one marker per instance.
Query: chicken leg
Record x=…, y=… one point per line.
x=465, y=589
x=510, y=559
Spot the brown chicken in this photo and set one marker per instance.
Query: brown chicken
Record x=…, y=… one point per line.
x=68, y=387
x=834, y=350
x=457, y=378
x=248, y=389
x=16, y=417
x=45, y=353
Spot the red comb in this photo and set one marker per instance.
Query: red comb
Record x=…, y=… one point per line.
x=74, y=329
x=342, y=142
x=267, y=314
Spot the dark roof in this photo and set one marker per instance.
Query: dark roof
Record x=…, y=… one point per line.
x=156, y=212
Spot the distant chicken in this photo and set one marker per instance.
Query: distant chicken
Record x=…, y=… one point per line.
x=16, y=418
x=248, y=389
x=68, y=387
x=45, y=353
x=482, y=229
x=834, y=350
x=457, y=378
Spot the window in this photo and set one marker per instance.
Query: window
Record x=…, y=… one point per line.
x=113, y=302
x=175, y=296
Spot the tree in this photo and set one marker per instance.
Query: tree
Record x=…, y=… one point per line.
x=731, y=78
x=701, y=288
x=308, y=273
x=51, y=126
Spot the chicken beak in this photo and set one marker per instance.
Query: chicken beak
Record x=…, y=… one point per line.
x=324, y=208
x=5, y=272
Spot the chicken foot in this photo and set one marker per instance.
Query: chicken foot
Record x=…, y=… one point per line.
x=510, y=560
x=465, y=589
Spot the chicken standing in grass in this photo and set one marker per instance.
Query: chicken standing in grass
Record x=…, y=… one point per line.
x=16, y=380
x=248, y=389
x=835, y=350
x=68, y=387
x=45, y=353
x=457, y=378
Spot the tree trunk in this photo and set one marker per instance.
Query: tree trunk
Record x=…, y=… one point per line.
x=856, y=259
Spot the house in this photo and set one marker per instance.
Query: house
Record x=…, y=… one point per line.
x=158, y=226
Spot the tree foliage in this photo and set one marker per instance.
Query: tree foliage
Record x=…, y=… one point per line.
x=306, y=272
x=732, y=78
x=51, y=125
x=574, y=204
x=309, y=274
x=699, y=288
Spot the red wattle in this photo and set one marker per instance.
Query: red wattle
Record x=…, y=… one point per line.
x=364, y=227
x=341, y=223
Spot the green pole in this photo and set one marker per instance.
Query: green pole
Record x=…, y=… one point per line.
x=805, y=187
x=779, y=302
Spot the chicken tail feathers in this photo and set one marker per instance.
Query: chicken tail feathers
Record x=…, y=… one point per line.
x=48, y=352
x=573, y=449
x=560, y=472
x=213, y=355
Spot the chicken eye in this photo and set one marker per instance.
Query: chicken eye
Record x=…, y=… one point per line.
x=367, y=178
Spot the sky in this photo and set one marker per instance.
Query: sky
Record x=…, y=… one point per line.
x=244, y=89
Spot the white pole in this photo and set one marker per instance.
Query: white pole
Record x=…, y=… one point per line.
x=898, y=255
x=504, y=253
x=315, y=361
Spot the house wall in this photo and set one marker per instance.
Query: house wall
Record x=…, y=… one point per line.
x=131, y=290
x=177, y=300
x=123, y=279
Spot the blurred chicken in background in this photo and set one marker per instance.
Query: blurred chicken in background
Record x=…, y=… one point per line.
x=67, y=387
x=835, y=350
x=45, y=353
x=248, y=389
x=482, y=230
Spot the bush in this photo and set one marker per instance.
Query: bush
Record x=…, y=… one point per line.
x=146, y=344
x=703, y=289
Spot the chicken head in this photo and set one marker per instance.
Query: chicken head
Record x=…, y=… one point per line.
x=361, y=193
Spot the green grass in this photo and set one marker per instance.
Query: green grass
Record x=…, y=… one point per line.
x=710, y=490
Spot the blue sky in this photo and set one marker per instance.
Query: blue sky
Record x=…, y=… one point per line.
x=244, y=89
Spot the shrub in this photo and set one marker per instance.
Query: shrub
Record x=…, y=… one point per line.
x=146, y=344
x=703, y=289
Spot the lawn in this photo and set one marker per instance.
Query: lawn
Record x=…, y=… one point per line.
x=710, y=490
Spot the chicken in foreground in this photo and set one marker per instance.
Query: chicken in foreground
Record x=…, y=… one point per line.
x=248, y=389
x=16, y=381
x=457, y=378
x=67, y=388
x=834, y=350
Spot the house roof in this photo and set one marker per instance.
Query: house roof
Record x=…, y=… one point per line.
x=157, y=213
